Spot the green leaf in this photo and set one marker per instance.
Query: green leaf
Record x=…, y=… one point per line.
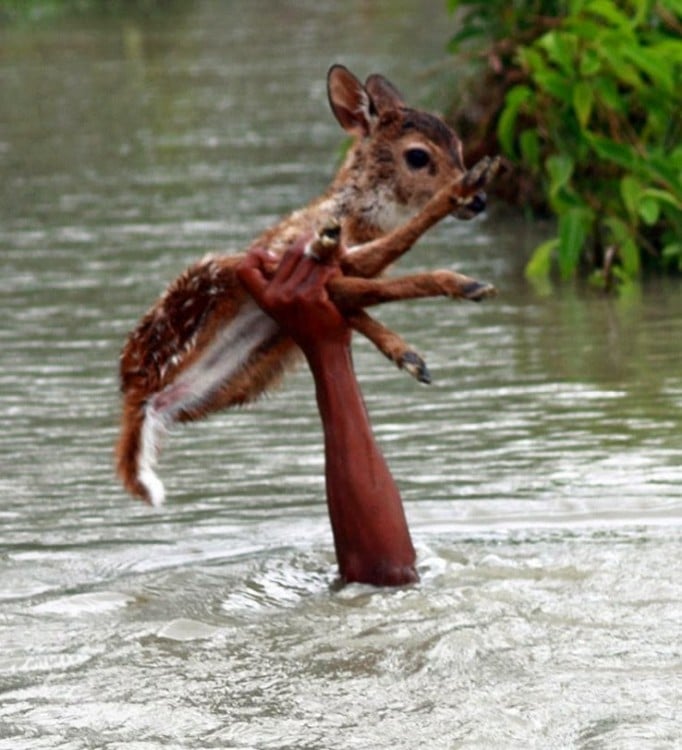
x=576, y=7
x=630, y=191
x=606, y=92
x=605, y=83
x=665, y=168
x=623, y=237
x=586, y=29
x=619, y=230
x=529, y=143
x=649, y=209
x=560, y=47
x=664, y=196
x=506, y=126
x=628, y=291
x=555, y=84
x=618, y=153
x=670, y=50
x=574, y=225
x=559, y=168
x=590, y=63
x=532, y=60
x=583, y=98
x=629, y=255
x=655, y=66
x=614, y=60
x=540, y=263
x=517, y=96
x=672, y=254
x=609, y=12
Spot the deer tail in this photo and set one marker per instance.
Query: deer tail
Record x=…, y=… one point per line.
x=142, y=431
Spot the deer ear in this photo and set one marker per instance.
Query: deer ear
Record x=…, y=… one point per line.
x=349, y=101
x=384, y=95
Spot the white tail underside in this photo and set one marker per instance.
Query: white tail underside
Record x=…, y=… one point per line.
x=221, y=361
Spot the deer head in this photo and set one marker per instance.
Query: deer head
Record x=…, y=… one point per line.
x=401, y=156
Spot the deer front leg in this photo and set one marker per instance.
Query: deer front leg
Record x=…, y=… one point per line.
x=371, y=258
x=352, y=293
x=390, y=344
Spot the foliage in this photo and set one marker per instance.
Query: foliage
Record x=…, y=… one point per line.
x=592, y=112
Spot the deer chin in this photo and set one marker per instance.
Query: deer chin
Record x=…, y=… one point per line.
x=387, y=214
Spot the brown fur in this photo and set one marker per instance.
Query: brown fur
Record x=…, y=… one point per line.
x=375, y=191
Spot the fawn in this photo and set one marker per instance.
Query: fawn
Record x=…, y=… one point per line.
x=205, y=345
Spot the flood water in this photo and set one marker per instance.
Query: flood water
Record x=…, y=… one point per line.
x=541, y=471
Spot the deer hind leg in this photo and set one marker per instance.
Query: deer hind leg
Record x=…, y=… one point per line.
x=352, y=293
x=373, y=257
x=230, y=362
x=390, y=344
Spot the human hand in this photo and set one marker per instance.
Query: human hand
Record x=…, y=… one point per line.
x=295, y=296
x=371, y=536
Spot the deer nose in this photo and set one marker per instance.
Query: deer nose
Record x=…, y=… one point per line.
x=477, y=203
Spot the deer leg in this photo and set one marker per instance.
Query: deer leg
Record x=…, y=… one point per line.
x=352, y=293
x=371, y=258
x=390, y=344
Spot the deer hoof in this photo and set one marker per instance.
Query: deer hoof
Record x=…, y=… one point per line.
x=476, y=176
x=478, y=290
x=482, y=173
x=415, y=365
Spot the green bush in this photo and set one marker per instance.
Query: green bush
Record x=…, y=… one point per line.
x=593, y=114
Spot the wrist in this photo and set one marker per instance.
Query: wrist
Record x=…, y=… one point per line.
x=328, y=355
x=336, y=386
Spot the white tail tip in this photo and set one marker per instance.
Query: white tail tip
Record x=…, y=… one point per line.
x=153, y=430
x=153, y=485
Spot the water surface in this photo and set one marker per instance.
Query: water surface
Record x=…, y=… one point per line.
x=540, y=471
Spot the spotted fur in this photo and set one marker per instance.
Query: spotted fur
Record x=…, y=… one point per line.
x=205, y=346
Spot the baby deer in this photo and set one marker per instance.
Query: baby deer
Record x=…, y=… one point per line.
x=205, y=345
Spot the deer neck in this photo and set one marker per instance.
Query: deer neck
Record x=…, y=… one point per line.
x=366, y=206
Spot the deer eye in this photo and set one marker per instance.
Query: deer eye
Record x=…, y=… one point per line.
x=417, y=158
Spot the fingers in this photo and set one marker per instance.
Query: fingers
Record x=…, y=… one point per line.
x=291, y=260
x=316, y=279
x=305, y=270
x=250, y=271
x=310, y=276
x=295, y=274
x=299, y=272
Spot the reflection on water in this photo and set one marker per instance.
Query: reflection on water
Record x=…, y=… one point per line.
x=541, y=471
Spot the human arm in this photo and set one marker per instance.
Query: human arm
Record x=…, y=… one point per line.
x=371, y=536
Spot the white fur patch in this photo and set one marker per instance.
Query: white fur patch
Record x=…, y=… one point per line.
x=389, y=215
x=153, y=430
x=217, y=364
x=154, y=486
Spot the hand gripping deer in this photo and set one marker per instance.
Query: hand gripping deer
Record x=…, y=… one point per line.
x=205, y=345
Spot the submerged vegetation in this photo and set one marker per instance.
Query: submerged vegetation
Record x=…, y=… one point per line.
x=585, y=98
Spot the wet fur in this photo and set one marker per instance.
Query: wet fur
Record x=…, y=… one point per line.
x=205, y=346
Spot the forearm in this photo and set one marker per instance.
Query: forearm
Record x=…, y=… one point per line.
x=372, y=539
